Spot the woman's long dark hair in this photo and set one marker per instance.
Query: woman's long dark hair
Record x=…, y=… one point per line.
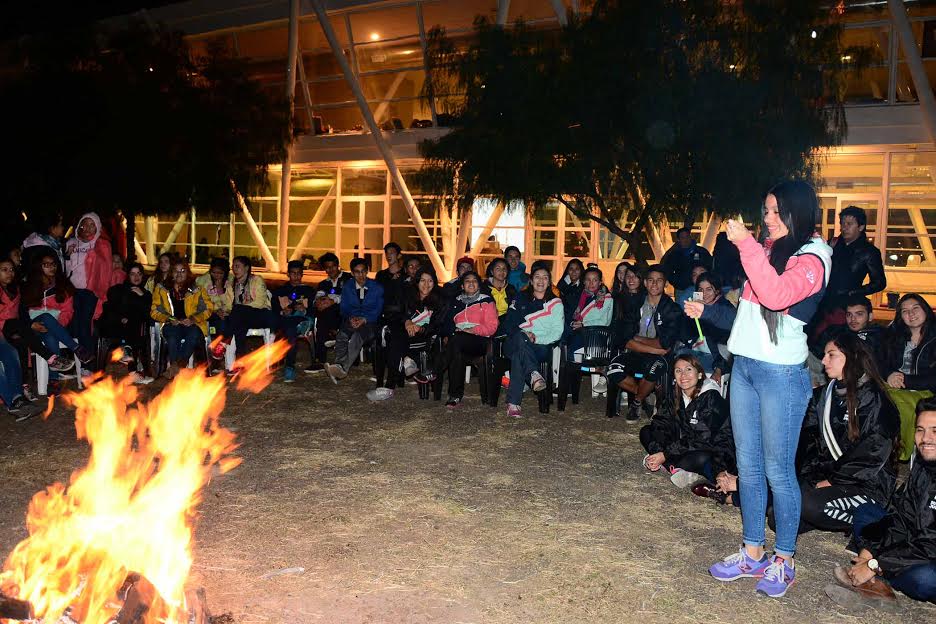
x=528, y=289
x=569, y=264
x=220, y=263
x=859, y=361
x=433, y=300
x=799, y=210
x=897, y=334
x=696, y=364
x=35, y=283
x=12, y=289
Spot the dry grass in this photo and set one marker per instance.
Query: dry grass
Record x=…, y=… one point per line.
x=406, y=512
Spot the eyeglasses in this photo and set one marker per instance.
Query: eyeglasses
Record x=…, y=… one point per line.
x=181, y=272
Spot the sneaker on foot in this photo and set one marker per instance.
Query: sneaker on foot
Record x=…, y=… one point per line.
x=84, y=355
x=315, y=367
x=289, y=374
x=126, y=355
x=335, y=372
x=28, y=393
x=424, y=378
x=739, y=565
x=685, y=479
x=601, y=385
x=59, y=364
x=513, y=410
x=537, y=383
x=217, y=351
x=380, y=394
x=633, y=411
x=140, y=379
x=778, y=577
x=410, y=367
x=21, y=409
x=453, y=402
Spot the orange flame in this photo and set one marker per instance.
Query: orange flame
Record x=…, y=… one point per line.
x=116, y=354
x=132, y=508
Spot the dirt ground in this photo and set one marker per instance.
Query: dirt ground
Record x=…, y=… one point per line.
x=406, y=512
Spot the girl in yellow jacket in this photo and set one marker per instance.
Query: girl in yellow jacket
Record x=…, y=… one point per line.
x=183, y=308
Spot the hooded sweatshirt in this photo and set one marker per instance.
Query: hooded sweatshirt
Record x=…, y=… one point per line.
x=518, y=277
x=90, y=264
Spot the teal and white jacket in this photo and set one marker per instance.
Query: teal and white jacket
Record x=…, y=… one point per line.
x=544, y=318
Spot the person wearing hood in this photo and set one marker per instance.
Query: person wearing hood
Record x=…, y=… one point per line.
x=679, y=260
x=88, y=265
x=517, y=277
x=471, y=320
x=690, y=436
x=47, y=238
x=897, y=543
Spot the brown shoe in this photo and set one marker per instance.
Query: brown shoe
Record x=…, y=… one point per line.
x=875, y=592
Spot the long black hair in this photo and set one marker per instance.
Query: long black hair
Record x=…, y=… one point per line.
x=433, y=300
x=859, y=361
x=898, y=334
x=799, y=210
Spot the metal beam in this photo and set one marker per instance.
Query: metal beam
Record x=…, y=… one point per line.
x=489, y=226
x=292, y=57
x=560, y=10
x=271, y=264
x=391, y=91
x=149, y=233
x=464, y=231
x=425, y=52
x=503, y=8
x=711, y=232
x=898, y=14
x=141, y=255
x=173, y=233
x=306, y=98
x=313, y=224
x=923, y=237
x=385, y=150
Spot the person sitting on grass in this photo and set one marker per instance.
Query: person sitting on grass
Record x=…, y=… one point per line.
x=291, y=304
x=897, y=544
x=534, y=321
x=690, y=436
x=327, y=307
x=47, y=304
x=497, y=287
x=219, y=284
x=848, y=441
x=361, y=306
x=471, y=320
x=251, y=309
x=423, y=314
x=650, y=333
x=716, y=316
x=126, y=314
x=183, y=308
x=859, y=318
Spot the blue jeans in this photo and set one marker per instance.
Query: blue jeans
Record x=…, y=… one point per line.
x=525, y=358
x=768, y=402
x=84, y=304
x=289, y=325
x=54, y=335
x=917, y=582
x=181, y=341
x=11, y=375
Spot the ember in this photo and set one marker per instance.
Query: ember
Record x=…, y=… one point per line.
x=116, y=543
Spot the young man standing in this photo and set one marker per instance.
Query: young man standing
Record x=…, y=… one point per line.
x=393, y=279
x=898, y=545
x=292, y=304
x=326, y=308
x=650, y=334
x=361, y=303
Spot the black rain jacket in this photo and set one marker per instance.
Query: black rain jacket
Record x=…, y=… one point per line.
x=671, y=324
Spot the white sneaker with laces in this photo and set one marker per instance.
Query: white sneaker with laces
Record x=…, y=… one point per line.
x=685, y=479
x=601, y=385
x=410, y=367
x=380, y=394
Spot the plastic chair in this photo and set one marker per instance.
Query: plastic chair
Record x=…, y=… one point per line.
x=42, y=372
x=596, y=355
x=230, y=353
x=157, y=344
x=500, y=364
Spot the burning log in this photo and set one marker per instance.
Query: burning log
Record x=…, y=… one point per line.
x=13, y=609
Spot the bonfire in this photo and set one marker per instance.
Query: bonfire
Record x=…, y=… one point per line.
x=115, y=544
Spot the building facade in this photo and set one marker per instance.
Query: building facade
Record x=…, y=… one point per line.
x=350, y=192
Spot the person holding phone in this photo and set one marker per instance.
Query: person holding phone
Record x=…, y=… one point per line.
x=291, y=305
x=770, y=384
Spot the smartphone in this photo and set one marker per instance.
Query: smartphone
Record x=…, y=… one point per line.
x=697, y=296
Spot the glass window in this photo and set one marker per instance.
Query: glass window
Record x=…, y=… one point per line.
x=400, y=114
x=269, y=72
x=392, y=55
x=853, y=173
x=340, y=118
x=577, y=244
x=457, y=15
x=311, y=36
x=911, y=218
x=330, y=92
x=877, y=38
x=868, y=86
x=363, y=182
x=312, y=183
x=321, y=64
x=382, y=24
x=263, y=42
x=544, y=243
x=393, y=86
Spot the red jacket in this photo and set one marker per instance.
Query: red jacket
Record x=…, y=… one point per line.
x=65, y=308
x=9, y=308
x=482, y=312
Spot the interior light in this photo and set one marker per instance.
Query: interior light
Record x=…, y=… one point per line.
x=731, y=67
x=375, y=36
x=847, y=57
x=813, y=34
x=893, y=256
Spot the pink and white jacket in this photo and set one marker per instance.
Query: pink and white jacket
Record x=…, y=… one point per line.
x=796, y=292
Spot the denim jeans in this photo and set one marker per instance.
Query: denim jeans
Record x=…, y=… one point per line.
x=11, y=375
x=768, y=402
x=181, y=341
x=84, y=303
x=289, y=325
x=525, y=358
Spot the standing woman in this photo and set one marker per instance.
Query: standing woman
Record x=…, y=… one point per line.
x=534, y=321
x=770, y=385
x=89, y=266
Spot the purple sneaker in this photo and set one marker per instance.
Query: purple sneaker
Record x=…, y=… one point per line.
x=777, y=578
x=739, y=565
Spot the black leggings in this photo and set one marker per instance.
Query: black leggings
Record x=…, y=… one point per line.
x=827, y=509
x=699, y=462
x=461, y=347
x=399, y=345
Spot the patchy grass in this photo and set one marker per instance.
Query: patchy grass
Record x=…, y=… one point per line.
x=404, y=511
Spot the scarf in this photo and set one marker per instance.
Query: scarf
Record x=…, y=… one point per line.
x=469, y=299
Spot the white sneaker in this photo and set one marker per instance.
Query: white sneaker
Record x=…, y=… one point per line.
x=410, y=367
x=685, y=479
x=601, y=385
x=335, y=372
x=329, y=344
x=537, y=383
x=380, y=394
x=142, y=380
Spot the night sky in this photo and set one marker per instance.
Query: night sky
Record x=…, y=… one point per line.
x=25, y=16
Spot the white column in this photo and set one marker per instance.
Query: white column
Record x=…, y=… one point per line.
x=920, y=81
x=292, y=55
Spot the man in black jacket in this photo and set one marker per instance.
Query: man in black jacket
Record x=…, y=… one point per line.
x=326, y=307
x=898, y=546
x=650, y=334
x=679, y=261
x=853, y=259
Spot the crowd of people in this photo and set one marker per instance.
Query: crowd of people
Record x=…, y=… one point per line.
x=764, y=382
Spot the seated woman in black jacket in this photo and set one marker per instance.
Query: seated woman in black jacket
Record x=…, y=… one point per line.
x=690, y=436
x=420, y=318
x=848, y=440
x=126, y=313
x=909, y=346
